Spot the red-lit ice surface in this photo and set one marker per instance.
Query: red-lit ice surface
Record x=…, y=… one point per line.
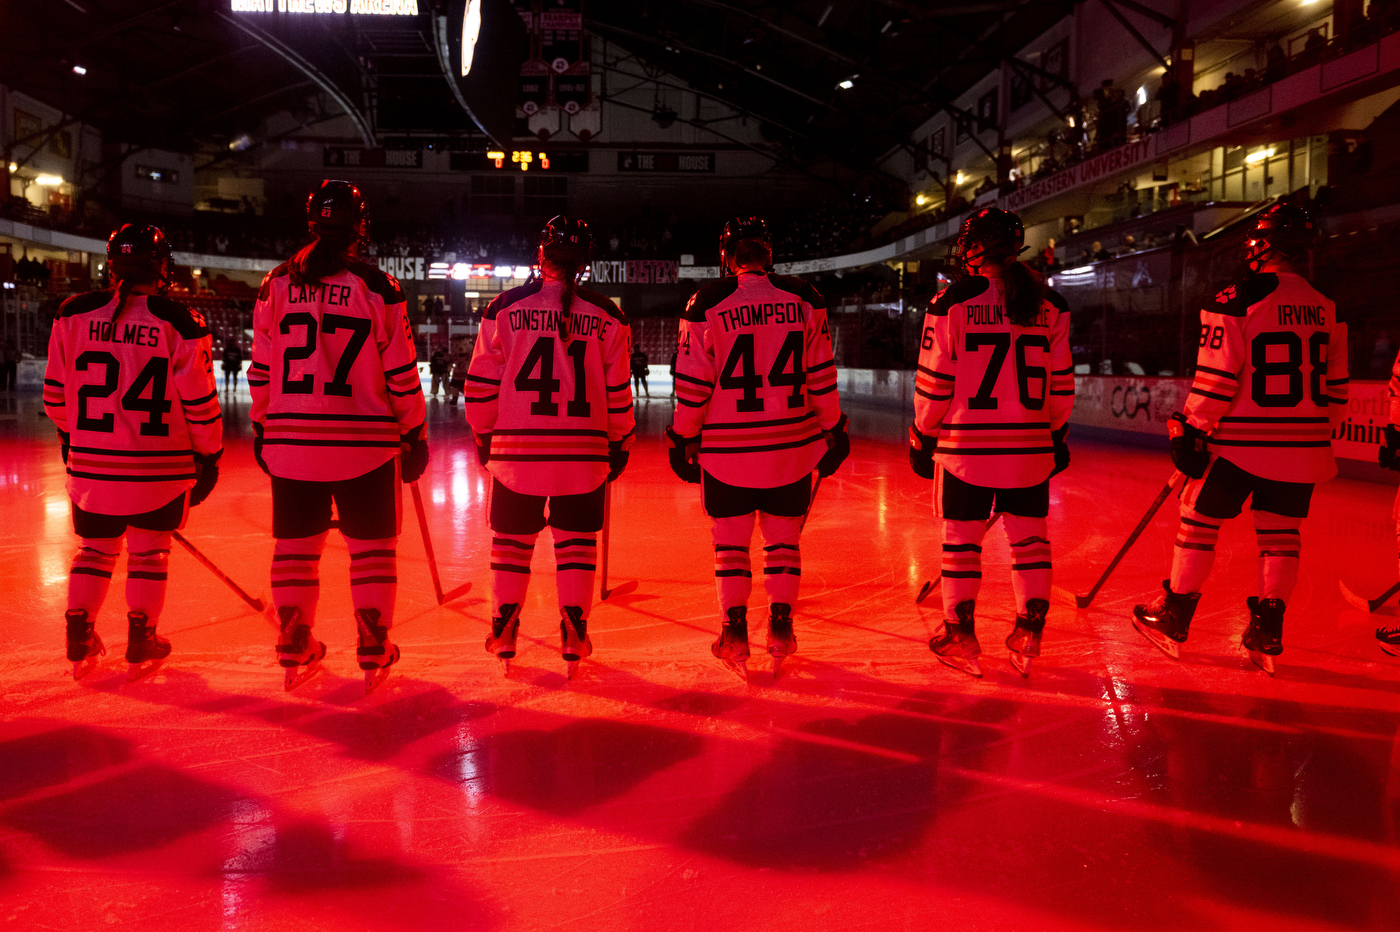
x=868, y=788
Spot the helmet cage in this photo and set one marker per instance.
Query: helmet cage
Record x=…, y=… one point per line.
x=133, y=249
x=742, y=230
x=337, y=205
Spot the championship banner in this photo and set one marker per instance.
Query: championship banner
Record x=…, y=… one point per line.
x=574, y=90
x=534, y=87
x=561, y=34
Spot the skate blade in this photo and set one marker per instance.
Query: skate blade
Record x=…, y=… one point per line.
x=778, y=665
x=375, y=677
x=505, y=664
x=82, y=668
x=300, y=674
x=1262, y=661
x=137, y=671
x=739, y=668
x=572, y=670
x=1160, y=641
x=969, y=666
x=1391, y=649
x=1022, y=663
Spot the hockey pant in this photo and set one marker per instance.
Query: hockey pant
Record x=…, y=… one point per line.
x=962, y=560
x=782, y=558
x=1279, y=538
x=575, y=563
x=148, y=556
x=296, y=574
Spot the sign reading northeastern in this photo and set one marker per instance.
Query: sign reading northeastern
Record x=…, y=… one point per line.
x=1076, y=175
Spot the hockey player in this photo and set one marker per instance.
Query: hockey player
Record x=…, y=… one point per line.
x=1389, y=637
x=130, y=387
x=338, y=413
x=993, y=396
x=548, y=398
x=1271, y=381
x=756, y=412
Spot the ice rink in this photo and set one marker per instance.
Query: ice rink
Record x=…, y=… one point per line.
x=868, y=788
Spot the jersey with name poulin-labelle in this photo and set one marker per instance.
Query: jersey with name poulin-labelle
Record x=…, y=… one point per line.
x=550, y=404
x=1394, y=391
x=136, y=396
x=1271, y=378
x=990, y=390
x=755, y=379
x=334, y=376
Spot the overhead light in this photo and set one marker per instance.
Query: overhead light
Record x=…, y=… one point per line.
x=921, y=200
x=14, y=167
x=959, y=178
x=79, y=69
x=1259, y=156
x=846, y=84
x=49, y=181
x=242, y=142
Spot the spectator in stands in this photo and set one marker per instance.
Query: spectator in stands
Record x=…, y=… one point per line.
x=1047, y=255
x=233, y=364
x=438, y=365
x=986, y=185
x=1276, y=62
x=461, y=359
x=1183, y=237
x=1129, y=245
x=639, y=370
x=1098, y=253
x=9, y=365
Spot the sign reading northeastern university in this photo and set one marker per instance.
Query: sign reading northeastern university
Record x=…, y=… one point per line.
x=1076, y=175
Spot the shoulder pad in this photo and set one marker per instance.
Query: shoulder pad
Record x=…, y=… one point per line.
x=265, y=289
x=507, y=298
x=604, y=302
x=707, y=296
x=800, y=287
x=1235, y=300
x=379, y=282
x=1057, y=299
x=85, y=303
x=959, y=291
x=187, y=322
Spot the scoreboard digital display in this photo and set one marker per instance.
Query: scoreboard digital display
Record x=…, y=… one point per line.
x=522, y=160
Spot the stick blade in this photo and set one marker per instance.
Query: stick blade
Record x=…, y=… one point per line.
x=1354, y=600
x=629, y=586
x=923, y=593
x=457, y=593
x=1083, y=601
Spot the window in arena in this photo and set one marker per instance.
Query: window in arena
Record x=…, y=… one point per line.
x=546, y=195
x=493, y=195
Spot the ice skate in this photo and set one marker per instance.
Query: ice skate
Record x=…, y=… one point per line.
x=573, y=630
x=504, y=628
x=1024, y=640
x=732, y=647
x=956, y=643
x=84, y=646
x=145, y=650
x=1263, y=639
x=376, y=652
x=781, y=640
x=298, y=651
x=1389, y=639
x=1166, y=623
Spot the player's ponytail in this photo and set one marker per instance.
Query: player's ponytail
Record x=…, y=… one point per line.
x=1024, y=293
x=328, y=254
x=128, y=274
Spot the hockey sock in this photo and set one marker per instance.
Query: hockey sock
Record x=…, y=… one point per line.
x=782, y=560
x=962, y=562
x=1194, y=553
x=91, y=573
x=148, y=556
x=1280, y=540
x=1030, y=559
x=510, y=567
x=374, y=579
x=733, y=573
x=296, y=574
x=575, y=563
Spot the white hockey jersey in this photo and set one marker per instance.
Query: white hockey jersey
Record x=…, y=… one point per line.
x=992, y=391
x=1271, y=378
x=137, y=399
x=334, y=376
x=755, y=379
x=551, y=405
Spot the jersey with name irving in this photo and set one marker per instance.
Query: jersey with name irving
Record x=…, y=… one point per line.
x=334, y=376
x=1271, y=377
x=755, y=378
x=136, y=396
x=550, y=402
x=992, y=390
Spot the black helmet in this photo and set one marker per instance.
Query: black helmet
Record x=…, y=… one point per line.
x=1284, y=228
x=988, y=234
x=338, y=204
x=740, y=230
x=566, y=240
x=139, y=251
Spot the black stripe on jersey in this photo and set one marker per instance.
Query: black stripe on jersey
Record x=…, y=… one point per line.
x=829, y=364
x=1270, y=419
x=507, y=298
x=586, y=567
x=962, y=548
x=217, y=417
x=762, y=448
x=187, y=323
x=173, y=477
x=1026, y=425
x=821, y=391
x=378, y=281
x=548, y=457
x=1069, y=371
x=548, y=432
x=292, y=442
x=1219, y=372
x=1023, y=567
x=963, y=290
x=1193, y=523
x=57, y=384
x=1336, y=401
x=776, y=422
x=1056, y=391
x=1217, y=397
x=192, y=402
x=509, y=568
x=694, y=381
x=995, y=451
x=410, y=391
x=920, y=391
x=623, y=386
x=260, y=365
x=407, y=367
x=86, y=303
x=603, y=303
x=482, y=379
x=692, y=404
x=55, y=404
x=1271, y=443
x=937, y=375
x=293, y=416
x=477, y=401
x=620, y=410
x=106, y=452
x=707, y=296
x=1338, y=381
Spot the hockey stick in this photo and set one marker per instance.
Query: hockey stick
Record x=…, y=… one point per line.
x=442, y=597
x=810, y=503
x=1367, y=605
x=932, y=584
x=1082, y=601
x=257, y=604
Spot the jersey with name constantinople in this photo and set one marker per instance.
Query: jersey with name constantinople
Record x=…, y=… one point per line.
x=991, y=390
x=1271, y=378
x=334, y=376
x=136, y=396
x=550, y=401
x=755, y=379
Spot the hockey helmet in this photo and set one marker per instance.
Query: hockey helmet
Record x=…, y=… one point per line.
x=742, y=230
x=338, y=205
x=567, y=241
x=139, y=251
x=988, y=234
x=1284, y=228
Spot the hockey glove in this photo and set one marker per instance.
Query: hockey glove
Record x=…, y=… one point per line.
x=64, y=438
x=258, y=447
x=838, y=447
x=483, y=448
x=1389, y=458
x=414, y=458
x=1061, y=449
x=684, y=455
x=921, y=450
x=619, y=452
x=1189, y=453
x=206, y=474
